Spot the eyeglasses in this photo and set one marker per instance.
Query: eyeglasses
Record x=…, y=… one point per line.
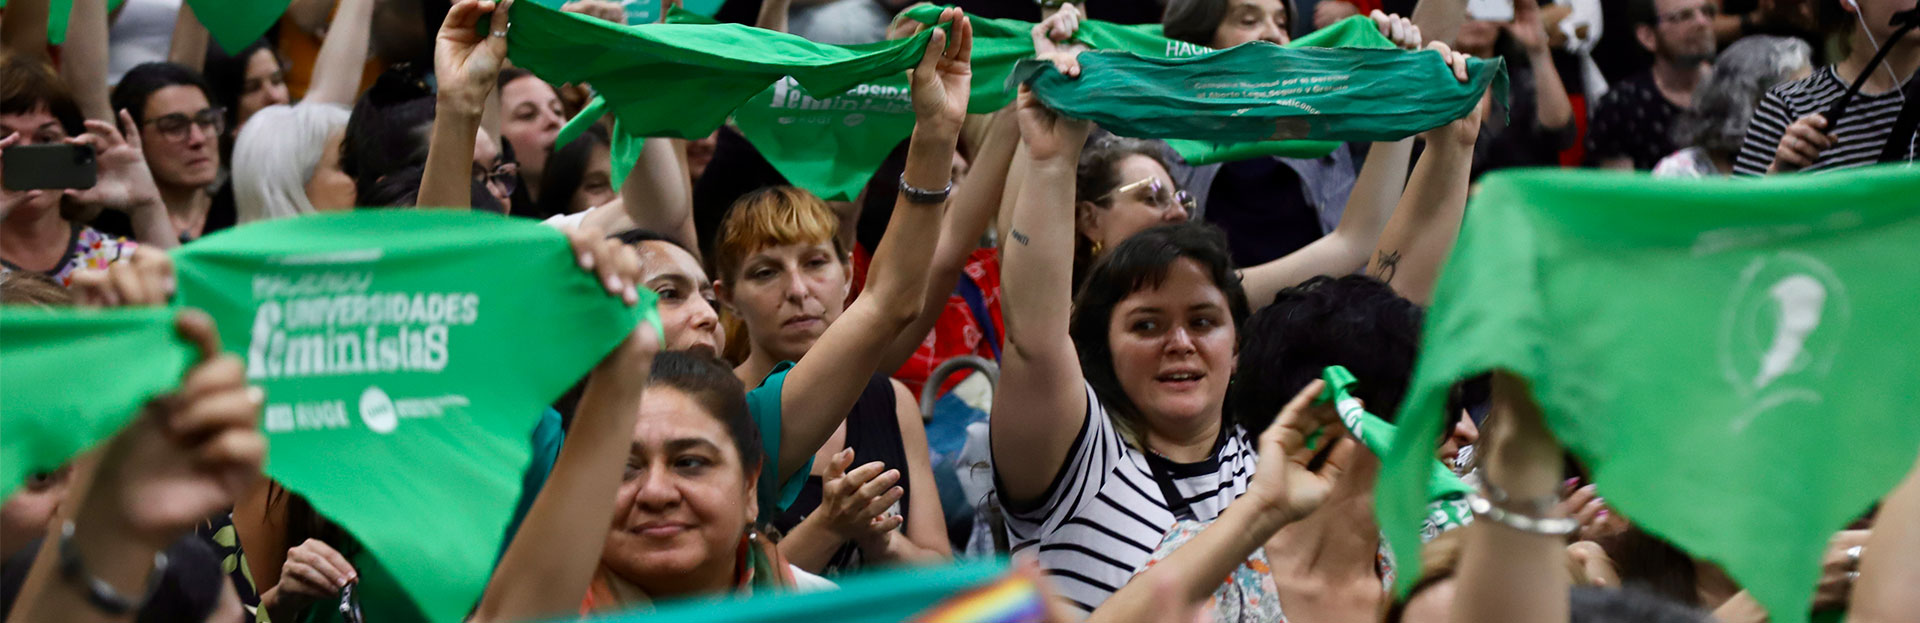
x=504, y=177
x=1687, y=14
x=1151, y=192
x=174, y=127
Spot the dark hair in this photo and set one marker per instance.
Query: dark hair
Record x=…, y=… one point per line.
x=1643, y=13
x=401, y=189
x=637, y=235
x=567, y=171
x=28, y=83
x=1651, y=564
x=1140, y=263
x=876, y=200
x=1832, y=20
x=388, y=131
x=1098, y=174
x=1627, y=605
x=144, y=79
x=714, y=387
x=1195, y=21
x=509, y=75
x=189, y=589
x=226, y=77
x=1354, y=321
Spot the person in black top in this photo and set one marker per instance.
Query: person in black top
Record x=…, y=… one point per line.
x=1539, y=119
x=1631, y=127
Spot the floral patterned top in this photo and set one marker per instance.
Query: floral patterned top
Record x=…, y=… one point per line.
x=1249, y=594
x=90, y=249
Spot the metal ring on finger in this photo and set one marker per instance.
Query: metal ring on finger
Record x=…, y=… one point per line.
x=1853, y=556
x=1853, y=576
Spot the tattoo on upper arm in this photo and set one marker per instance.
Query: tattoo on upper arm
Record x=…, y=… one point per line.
x=1018, y=237
x=1385, y=265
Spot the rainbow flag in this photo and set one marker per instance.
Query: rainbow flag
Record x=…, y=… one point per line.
x=975, y=591
x=1013, y=598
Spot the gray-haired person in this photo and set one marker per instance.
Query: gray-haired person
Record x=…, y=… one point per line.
x=1715, y=127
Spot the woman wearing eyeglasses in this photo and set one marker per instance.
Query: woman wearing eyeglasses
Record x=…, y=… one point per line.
x=180, y=131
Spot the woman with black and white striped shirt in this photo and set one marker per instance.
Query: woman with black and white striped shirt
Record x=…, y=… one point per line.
x=1790, y=130
x=1108, y=422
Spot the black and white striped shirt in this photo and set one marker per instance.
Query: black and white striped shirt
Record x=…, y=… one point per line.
x=1861, y=134
x=1104, y=514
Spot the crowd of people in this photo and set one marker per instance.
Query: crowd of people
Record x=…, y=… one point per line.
x=1150, y=333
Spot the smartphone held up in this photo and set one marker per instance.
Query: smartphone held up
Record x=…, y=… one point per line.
x=56, y=166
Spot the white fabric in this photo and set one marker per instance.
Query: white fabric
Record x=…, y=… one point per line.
x=804, y=582
x=1104, y=514
x=275, y=155
x=141, y=33
x=565, y=222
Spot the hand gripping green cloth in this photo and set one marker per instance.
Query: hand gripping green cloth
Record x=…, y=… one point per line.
x=406, y=356
x=72, y=378
x=1726, y=356
x=682, y=80
x=999, y=44
x=234, y=24
x=1266, y=92
x=1446, y=494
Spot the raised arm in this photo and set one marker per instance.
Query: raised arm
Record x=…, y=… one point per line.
x=549, y=564
x=1890, y=561
x=656, y=195
x=1553, y=110
x=1282, y=491
x=188, y=47
x=343, y=55
x=25, y=29
x=824, y=384
x=1041, y=401
x=83, y=59
x=1370, y=206
x=467, y=64
x=975, y=203
x=1345, y=250
x=1423, y=229
x=773, y=15
x=1506, y=574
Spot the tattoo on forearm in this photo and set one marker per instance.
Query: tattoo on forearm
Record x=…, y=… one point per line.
x=1018, y=237
x=1385, y=265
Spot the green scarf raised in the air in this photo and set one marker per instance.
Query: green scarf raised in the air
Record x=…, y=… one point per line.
x=1266, y=92
x=1725, y=356
x=234, y=24
x=406, y=357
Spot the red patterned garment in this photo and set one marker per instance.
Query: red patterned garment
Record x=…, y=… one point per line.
x=958, y=331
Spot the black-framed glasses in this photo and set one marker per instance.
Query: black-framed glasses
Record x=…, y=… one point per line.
x=174, y=127
x=504, y=177
x=1151, y=192
x=1686, y=15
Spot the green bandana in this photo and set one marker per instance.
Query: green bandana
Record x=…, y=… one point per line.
x=57, y=13
x=1446, y=494
x=1237, y=94
x=75, y=377
x=236, y=24
x=999, y=44
x=682, y=80
x=1725, y=355
x=407, y=356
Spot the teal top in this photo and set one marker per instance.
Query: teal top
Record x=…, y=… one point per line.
x=763, y=403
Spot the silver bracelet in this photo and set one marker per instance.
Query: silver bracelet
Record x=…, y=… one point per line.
x=1538, y=506
x=924, y=196
x=1544, y=526
x=100, y=594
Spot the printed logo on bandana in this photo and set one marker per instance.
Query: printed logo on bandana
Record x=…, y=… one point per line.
x=1780, y=327
x=335, y=324
x=376, y=410
x=866, y=98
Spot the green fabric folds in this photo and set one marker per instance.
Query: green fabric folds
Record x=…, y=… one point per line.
x=73, y=378
x=234, y=24
x=407, y=356
x=1725, y=356
x=682, y=80
x=1266, y=92
x=1446, y=493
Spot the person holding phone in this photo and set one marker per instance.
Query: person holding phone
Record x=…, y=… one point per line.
x=44, y=206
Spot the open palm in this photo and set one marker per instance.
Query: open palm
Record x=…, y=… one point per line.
x=944, y=78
